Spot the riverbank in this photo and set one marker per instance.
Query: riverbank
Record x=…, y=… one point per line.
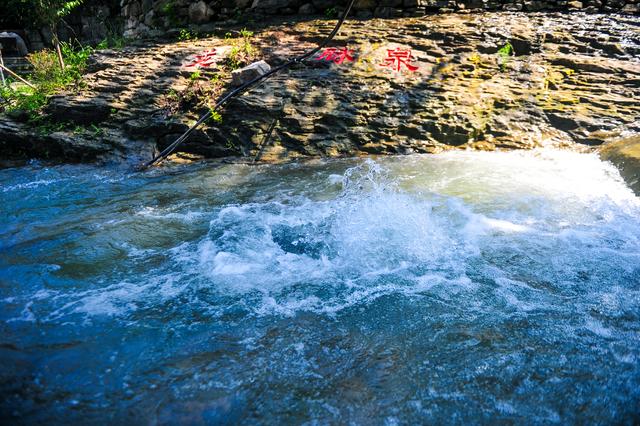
x=479, y=81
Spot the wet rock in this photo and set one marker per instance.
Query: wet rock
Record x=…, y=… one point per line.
x=19, y=141
x=80, y=110
x=625, y=155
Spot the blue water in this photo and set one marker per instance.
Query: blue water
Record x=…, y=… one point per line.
x=457, y=288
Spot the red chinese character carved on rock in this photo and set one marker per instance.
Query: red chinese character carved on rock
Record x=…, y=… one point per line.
x=398, y=57
x=336, y=55
x=203, y=60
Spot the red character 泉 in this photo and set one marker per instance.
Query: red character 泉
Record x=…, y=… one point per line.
x=336, y=55
x=203, y=60
x=398, y=57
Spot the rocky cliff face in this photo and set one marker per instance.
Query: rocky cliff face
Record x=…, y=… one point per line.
x=152, y=16
x=565, y=84
x=479, y=81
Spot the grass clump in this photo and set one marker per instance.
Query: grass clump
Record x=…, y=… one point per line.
x=242, y=51
x=114, y=38
x=504, y=53
x=116, y=42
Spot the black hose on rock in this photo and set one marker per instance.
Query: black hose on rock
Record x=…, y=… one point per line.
x=245, y=87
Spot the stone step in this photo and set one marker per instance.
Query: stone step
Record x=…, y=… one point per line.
x=19, y=65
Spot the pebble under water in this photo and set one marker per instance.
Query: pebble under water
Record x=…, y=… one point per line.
x=457, y=288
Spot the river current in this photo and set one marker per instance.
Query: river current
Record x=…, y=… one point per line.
x=465, y=287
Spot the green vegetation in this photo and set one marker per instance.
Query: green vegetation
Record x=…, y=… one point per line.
x=242, y=50
x=199, y=93
x=37, y=13
x=50, y=13
x=113, y=41
x=216, y=116
x=186, y=35
x=478, y=64
x=331, y=12
x=169, y=10
x=503, y=56
x=202, y=90
x=47, y=77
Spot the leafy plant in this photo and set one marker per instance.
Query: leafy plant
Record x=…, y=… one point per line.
x=503, y=55
x=331, y=12
x=77, y=60
x=216, y=116
x=476, y=61
x=246, y=34
x=186, y=35
x=97, y=131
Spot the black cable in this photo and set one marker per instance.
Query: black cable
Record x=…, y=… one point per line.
x=246, y=86
x=266, y=138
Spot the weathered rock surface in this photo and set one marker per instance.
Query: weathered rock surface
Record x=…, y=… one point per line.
x=166, y=14
x=19, y=141
x=80, y=110
x=562, y=87
x=625, y=154
x=573, y=80
x=200, y=12
x=248, y=73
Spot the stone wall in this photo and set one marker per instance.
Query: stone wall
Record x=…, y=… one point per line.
x=141, y=16
x=93, y=22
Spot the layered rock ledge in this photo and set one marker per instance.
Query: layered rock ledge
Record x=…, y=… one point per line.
x=573, y=80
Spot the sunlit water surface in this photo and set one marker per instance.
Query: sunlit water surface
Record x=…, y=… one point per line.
x=457, y=288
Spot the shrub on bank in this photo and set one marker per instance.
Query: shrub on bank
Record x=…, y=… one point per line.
x=47, y=78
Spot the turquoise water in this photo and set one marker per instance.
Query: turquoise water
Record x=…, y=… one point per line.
x=457, y=288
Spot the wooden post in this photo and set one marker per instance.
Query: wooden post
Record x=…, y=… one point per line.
x=13, y=74
x=2, y=63
x=56, y=44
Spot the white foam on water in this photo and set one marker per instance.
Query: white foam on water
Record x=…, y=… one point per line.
x=413, y=226
x=171, y=213
x=29, y=185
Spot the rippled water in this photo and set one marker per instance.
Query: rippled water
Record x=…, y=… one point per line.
x=457, y=288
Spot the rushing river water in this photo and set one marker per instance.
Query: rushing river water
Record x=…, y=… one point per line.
x=456, y=288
